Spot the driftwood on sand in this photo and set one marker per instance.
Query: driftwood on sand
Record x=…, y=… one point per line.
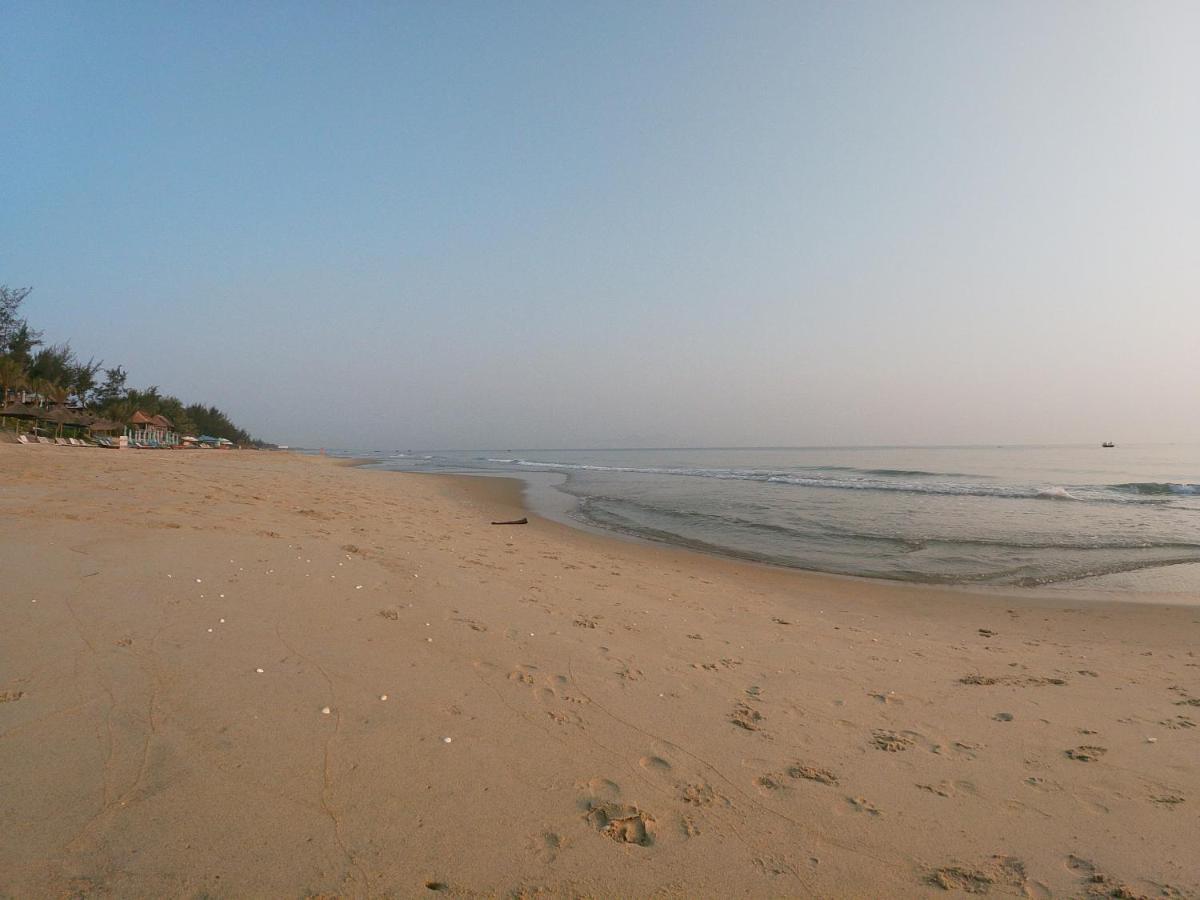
x=521, y=521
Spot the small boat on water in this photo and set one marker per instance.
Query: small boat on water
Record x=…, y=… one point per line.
x=1108, y=444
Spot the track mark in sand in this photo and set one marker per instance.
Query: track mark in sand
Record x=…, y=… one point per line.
x=11, y=696
x=774, y=866
x=546, y=846
x=949, y=788
x=390, y=614
x=1102, y=885
x=654, y=764
x=859, y=804
x=1178, y=722
x=602, y=788
x=854, y=849
x=587, y=621
x=1085, y=753
x=726, y=663
x=746, y=717
x=702, y=794
x=811, y=773
x=1168, y=800
x=1011, y=680
x=327, y=786
x=1004, y=871
x=523, y=674
x=564, y=718
x=891, y=741
x=770, y=783
x=623, y=823
x=473, y=624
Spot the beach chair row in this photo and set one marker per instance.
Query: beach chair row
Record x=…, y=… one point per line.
x=58, y=442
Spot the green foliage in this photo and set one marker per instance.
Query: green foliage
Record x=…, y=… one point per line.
x=56, y=374
x=17, y=339
x=54, y=364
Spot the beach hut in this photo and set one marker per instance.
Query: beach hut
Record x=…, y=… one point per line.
x=17, y=412
x=58, y=417
x=151, y=431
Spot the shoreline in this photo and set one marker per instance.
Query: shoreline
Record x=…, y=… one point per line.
x=514, y=500
x=195, y=651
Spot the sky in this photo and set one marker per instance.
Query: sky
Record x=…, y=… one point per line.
x=513, y=225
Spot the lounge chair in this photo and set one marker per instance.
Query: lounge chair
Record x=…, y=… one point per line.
x=24, y=439
x=61, y=442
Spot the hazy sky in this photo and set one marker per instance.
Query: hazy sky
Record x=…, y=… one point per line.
x=557, y=224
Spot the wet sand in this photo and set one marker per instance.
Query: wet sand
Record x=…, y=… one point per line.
x=195, y=648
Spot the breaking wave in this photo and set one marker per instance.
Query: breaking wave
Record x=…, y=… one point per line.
x=912, y=481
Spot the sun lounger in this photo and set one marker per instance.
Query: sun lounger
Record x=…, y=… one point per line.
x=23, y=439
x=61, y=442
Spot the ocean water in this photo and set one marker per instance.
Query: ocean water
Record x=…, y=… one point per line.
x=1028, y=516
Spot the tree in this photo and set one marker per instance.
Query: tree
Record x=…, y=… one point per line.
x=12, y=377
x=55, y=363
x=83, y=380
x=10, y=313
x=21, y=343
x=113, y=389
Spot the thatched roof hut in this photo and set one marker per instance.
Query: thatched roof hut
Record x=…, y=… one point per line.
x=20, y=411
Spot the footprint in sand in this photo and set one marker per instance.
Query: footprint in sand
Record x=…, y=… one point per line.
x=546, y=846
x=655, y=764
x=1004, y=871
x=746, y=717
x=770, y=783
x=890, y=741
x=702, y=794
x=858, y=804
x=11, y=696
x=523, y=674
x=1086, y=753
x=949, y=788
x=623, y=823
x=1178, y=722
x=811, y=773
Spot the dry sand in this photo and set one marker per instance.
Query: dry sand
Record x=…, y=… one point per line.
x=195, y=647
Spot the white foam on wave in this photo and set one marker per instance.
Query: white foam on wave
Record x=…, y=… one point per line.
x=1056, y=493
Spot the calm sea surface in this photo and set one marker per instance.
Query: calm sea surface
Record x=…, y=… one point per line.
x=989, y=515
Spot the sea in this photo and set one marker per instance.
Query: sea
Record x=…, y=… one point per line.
x=1125, y=518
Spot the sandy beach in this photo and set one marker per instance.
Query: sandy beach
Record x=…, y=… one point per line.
x=228, y=674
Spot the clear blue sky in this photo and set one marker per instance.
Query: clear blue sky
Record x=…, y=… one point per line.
x=585, y=224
